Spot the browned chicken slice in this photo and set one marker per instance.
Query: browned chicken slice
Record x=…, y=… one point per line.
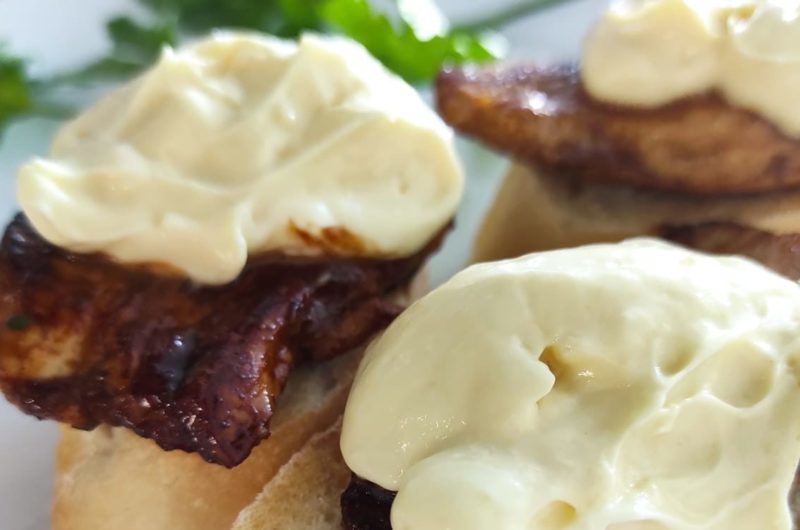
x=543, y=116
x=86, y=341
x=780, y=253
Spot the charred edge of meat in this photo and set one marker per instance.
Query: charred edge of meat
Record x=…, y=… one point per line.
x=197, y=368
x=366, y=506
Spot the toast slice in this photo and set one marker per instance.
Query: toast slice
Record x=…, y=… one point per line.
x=305, y=493
x=112, y=479
x=535, y=211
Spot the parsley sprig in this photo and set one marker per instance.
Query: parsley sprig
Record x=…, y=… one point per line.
x=15, y=90
x=405, y=43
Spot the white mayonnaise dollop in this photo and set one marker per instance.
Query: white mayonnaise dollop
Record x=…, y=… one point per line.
x=242, y=144
x=636, y=386
x=648, y=53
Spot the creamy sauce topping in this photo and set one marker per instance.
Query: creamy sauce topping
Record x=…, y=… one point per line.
x=241, y=144
x=636, y=386
x=648, y=53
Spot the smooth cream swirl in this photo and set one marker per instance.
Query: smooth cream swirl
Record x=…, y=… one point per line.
x=612, y=387
x=241, y=144
x=648, y=53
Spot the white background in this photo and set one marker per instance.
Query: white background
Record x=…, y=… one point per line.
x=57, y=34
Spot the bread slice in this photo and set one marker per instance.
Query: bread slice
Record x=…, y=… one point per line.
x=305, y=493
x=534, y=211
x=111, y=479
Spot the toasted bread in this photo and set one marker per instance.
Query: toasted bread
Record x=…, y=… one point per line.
x=305, y=493
x=534, y=211
x=112, y=479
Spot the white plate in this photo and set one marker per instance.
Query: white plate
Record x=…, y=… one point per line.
x=58, y=34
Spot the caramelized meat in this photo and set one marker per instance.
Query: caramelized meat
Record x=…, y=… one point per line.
x=543, y=116
x=87, y=341
x=366, y=506
x=780, y=253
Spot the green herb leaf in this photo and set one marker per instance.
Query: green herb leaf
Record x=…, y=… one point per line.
x=15, y=91
x=18, y=323
x=301, y=15
x=200, y=16
x=415, y=47
x=136, y=43
x=134, y=47
x=400, y=48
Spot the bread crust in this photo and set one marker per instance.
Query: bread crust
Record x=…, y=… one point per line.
x=534, y=211
x=305, y=493
x=112, y=479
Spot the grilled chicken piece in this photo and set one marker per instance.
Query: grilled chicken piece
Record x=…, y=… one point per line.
x=87, y=341
x=542, y=116
x=780, y=253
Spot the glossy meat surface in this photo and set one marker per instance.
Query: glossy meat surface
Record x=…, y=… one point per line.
x=86, y=341
x=543, y=116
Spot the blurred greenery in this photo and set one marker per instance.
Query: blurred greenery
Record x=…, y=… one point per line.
x=397, y=41
x=15, y=98
x=399, y=46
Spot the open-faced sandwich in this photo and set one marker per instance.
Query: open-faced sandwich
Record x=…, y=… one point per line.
x=681, y=121
x=203, y=258
x=199, y=263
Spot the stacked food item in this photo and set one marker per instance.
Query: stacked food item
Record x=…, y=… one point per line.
x=201, y=260
x=213, y=254
x=680, y=121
